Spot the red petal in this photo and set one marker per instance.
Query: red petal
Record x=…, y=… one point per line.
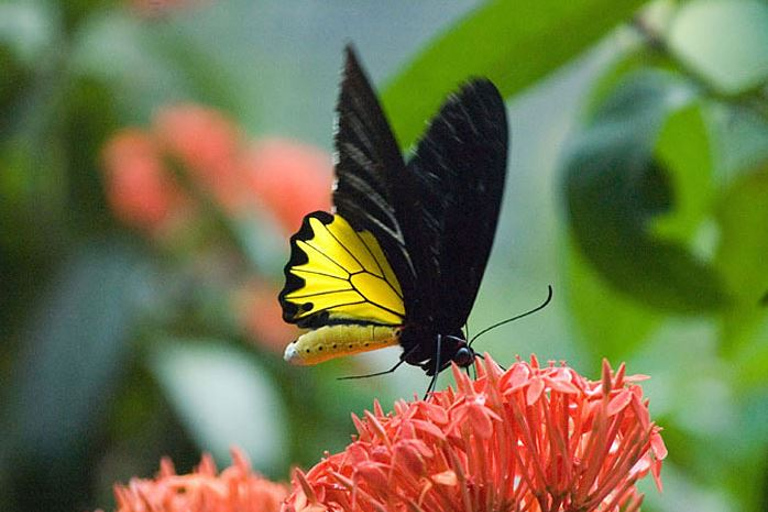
x=534, y=391
x=658, y=446
x=428, y=428
x=619, y=402
x=411, y=458
x=480, y=421
x=374, y=476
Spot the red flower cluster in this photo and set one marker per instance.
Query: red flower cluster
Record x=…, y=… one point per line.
x=236, y=489
x=211, y=156
x=141, y=192
x=290, y=179
x=529, y=438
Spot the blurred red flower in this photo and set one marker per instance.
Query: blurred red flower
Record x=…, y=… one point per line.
x=290, y=179
x=208, y=145
x=525, y=439
x=236, y=489
x=139, y=189
x=201, y=150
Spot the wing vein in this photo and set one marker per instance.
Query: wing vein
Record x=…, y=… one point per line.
x=353, y=254
x=326, y=256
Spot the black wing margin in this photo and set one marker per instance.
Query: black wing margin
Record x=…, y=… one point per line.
x=368, y=161
x=449, y=200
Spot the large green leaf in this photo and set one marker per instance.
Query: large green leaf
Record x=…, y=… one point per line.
x=616, y=188
x=726, y=42
x=512, y=43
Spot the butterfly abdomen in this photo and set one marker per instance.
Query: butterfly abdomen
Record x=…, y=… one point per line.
x=339, y=340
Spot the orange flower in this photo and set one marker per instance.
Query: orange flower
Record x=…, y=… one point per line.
x=208, y=144
x=289, y=179
x=138, y=187
x=525, y=439
x=236, y=489
x=285, y=178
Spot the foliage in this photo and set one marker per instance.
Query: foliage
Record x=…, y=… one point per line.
x=143, y=230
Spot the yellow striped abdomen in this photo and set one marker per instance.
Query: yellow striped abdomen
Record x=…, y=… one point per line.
x=339, y=340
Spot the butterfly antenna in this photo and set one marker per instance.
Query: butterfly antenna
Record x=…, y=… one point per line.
x=518, y=317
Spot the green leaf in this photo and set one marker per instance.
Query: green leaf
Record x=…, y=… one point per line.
x=683, y=148
x=512, y=43
x=751, y=359
x=90, y=118
x=726, y=42
x=14, y=81
x=616, y=188
x=224, y=397
x=742, y=215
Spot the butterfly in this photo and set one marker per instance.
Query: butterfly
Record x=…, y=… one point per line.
x=400, y=259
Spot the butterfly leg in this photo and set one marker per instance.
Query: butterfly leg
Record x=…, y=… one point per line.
x=391, y=370
x=385, y=372
x=433, y=382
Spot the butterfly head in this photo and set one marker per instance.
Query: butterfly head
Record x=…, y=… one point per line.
x=459, y=350
x=464, y=356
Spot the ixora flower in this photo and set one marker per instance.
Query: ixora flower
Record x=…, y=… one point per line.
x=290, y=178
x=236, y=489
x=140, y=191
x=282, y=177
x=530, y=438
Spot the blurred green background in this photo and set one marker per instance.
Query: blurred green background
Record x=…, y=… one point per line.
x=142, y=240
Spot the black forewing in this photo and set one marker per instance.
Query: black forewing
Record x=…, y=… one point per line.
x=448, y=202
x=368, y=163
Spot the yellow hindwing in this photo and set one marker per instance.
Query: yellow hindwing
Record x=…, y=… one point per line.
x=340, y=272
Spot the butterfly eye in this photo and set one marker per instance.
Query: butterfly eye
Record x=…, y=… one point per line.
x=464, y=357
